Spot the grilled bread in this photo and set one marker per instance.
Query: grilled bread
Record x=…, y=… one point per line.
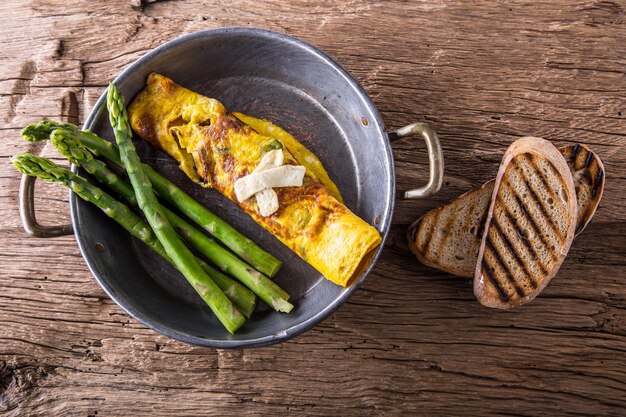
x=448, y=237
x=588, y=172
x=530, y=225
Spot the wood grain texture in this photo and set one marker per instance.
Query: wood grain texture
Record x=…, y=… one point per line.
x=411, y=341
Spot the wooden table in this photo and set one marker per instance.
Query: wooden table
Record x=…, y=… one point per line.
x=412, y=340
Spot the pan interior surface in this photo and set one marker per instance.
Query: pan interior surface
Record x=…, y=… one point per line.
x=266, y=75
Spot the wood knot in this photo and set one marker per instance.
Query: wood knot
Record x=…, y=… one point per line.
x=6, y=377
x=18, y=378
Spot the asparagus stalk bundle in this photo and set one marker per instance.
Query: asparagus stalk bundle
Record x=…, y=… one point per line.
x=47, y=170
x=261, y=285
x=245, y=248
x=70, y=145
x=160, y=232
x=182, y=257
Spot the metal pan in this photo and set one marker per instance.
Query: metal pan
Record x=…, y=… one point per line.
x=268, y=75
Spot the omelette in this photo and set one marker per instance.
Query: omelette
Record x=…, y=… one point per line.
x=234, y=153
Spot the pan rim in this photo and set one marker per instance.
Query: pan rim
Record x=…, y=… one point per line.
x=125, y=303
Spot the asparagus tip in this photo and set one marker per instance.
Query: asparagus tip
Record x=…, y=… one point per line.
x=69, y=146
x=37, y=166
x=39, y=131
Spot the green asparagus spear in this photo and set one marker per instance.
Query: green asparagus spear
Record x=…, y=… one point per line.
x=243, y=298
x=184, y=260
x=262, y=286
x=235, y=241
x=266, y=289
x=76, y=153
x=47, y=170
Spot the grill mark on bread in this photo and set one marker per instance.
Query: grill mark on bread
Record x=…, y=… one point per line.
x=557, y=204
x=458, y=254
x=597, y=181
x=589, y=187
x=542, y=207
x=588, y=159
x=580, y=158
x=555, y=172
x=510, y=277
x=449, y=223
x=429, y=234
x=436, y=237
x=487, y=273
x=524, y=240
x=536, y=199
x=470, y=236
x=472, y=214
x=530, y=219
x=554, y=193
x=515, y=167
x=512, y=249
x=468, y=217
x=481, y=226
x=578, y=192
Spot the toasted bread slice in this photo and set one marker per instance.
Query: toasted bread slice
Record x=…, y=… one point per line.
x=588, y=172
x=448, y=237
x=464, y=217
x=530, y=225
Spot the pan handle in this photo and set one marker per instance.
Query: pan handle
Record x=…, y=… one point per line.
x=435, y=157
x=26, y=200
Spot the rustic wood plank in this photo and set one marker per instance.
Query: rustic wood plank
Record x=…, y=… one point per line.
x=412, y=340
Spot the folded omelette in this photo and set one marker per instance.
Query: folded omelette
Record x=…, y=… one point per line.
x=215, y=148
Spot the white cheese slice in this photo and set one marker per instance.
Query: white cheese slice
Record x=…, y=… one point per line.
x=271, y=159
x=267, y=201
x=283, y=176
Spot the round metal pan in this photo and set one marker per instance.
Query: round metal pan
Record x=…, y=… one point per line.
x=268, y=75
